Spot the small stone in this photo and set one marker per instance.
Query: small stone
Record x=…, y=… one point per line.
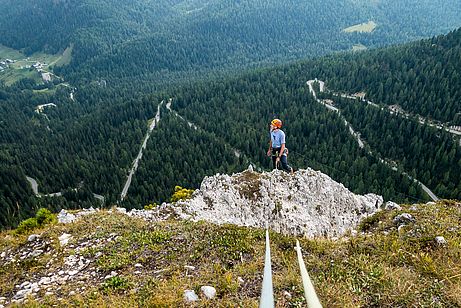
x=65, y=218
x=36, y=253
x=121, y=210
x=44, y=281
x=3, y=255
x=240, y=280
x=112, y=274
x=64, y=239
x=71, y=293
x=287, y=295
x=24, y=285
x=33, y=237
x=208, y=291
x=49, y=293
x=137, y=272
x=60, y=273
x=403, y=219
x=2, y=300
x=189, y=267
x=389, y=206
x=440, y=240
x=190, y=296
x=250, y=168
x=137, y=265
x=22, y=293
x=72, y=273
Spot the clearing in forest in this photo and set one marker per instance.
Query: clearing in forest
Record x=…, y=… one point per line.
x=363, y=27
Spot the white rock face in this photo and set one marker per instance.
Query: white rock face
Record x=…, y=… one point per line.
x=308, y=202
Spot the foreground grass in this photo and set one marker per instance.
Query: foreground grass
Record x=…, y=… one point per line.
x=381, y=267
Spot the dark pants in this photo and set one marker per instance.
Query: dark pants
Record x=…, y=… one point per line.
x=283, y=160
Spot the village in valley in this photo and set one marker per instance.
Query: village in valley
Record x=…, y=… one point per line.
x=37, y=66
x=14, y=66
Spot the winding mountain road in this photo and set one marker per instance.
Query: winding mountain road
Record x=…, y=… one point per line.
x=356, y=135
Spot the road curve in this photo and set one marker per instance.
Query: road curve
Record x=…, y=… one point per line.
x=356, y=135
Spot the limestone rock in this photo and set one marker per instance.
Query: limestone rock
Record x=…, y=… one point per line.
x=64, y=239
x=440, y=240
x=208, y=291
x=190, y=296
x=65, y=217
x=33, y=237
x=392, y=206
x=403, y=218
x=305, y=203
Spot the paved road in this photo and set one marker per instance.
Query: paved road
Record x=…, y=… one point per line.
x=34, y=184
x=333, y=108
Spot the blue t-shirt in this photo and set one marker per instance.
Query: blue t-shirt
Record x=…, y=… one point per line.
x=277, y=138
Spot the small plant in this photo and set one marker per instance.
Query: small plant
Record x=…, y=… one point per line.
x=151, y=206
x=43, y=217
x=116, y=284
x=181, y=194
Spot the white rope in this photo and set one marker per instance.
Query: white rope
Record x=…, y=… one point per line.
x=309, y=291
x=267, y=293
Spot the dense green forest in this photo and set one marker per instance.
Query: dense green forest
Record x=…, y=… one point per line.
x=129, y=57
x=422, y=77
x=166, y=40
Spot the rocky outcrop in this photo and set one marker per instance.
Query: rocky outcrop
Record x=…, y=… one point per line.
x=308, y=203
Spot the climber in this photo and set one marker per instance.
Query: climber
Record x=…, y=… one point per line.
x=277, y=148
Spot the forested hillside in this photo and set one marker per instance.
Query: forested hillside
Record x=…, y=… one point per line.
x=166, y=40
x=78, y=135
x=423, y=77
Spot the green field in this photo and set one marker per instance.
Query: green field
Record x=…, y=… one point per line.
x=8, y=53
x=363, y=27
x=10, y=76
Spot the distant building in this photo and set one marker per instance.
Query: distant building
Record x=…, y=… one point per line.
x=360, y=95
x=37, y=65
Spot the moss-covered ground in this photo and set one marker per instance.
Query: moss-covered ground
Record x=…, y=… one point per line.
x=381, y=266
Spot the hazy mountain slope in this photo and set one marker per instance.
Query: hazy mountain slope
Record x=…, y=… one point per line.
x=116, y=39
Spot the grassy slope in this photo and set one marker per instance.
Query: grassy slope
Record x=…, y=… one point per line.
x=381, y=267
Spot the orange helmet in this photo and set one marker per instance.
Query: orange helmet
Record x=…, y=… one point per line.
x=277, y=123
